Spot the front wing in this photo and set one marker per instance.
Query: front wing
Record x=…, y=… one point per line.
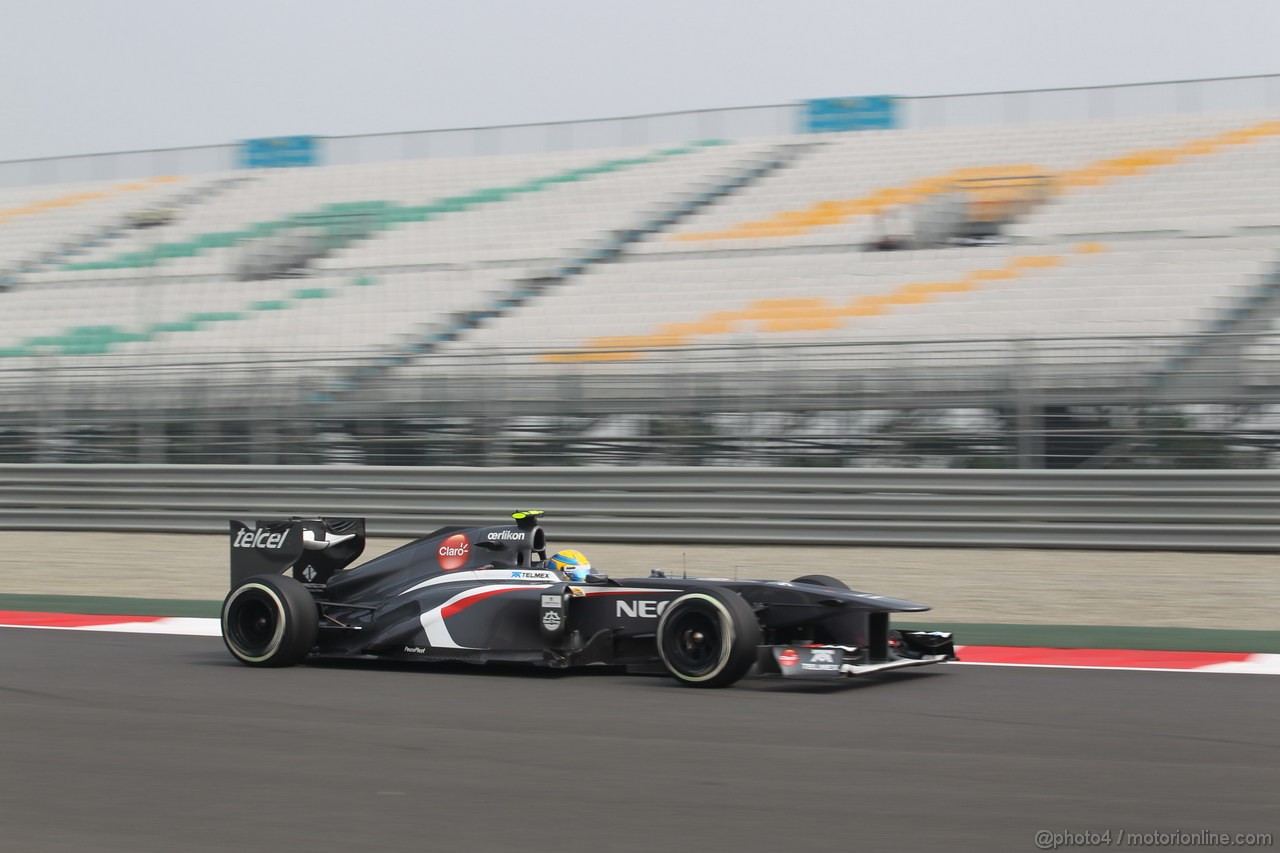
x=822, y=662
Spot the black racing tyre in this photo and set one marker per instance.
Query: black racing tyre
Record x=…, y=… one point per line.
x=270, y=620
x=839, y=629
x=821, y=580
x=708, y=637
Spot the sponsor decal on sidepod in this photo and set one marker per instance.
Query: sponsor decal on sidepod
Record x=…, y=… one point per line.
x=516, y=535
x=454, y=551
x=640, y=609
x=533, y=576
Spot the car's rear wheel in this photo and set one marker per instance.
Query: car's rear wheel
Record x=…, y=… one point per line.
x=270, y=620
x=708, y=638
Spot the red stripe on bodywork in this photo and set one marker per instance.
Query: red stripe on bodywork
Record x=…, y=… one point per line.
x=1097, y=657
x=458, y=606
x=67, y=620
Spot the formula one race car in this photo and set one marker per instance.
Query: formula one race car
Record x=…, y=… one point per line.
x=488, y=594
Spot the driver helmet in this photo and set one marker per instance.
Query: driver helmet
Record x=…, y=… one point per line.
x=573, y=563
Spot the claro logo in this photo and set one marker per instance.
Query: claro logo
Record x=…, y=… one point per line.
x=260, y=538
x=454, y=551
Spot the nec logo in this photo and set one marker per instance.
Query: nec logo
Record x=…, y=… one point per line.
x=454, y=551
x=260, y=538
x=641, y=609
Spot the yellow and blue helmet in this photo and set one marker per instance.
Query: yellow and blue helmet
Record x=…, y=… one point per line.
x=573, y=563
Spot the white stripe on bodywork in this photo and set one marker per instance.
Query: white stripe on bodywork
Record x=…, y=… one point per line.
x=486, y=575
x=613, y=590
x=433, y=621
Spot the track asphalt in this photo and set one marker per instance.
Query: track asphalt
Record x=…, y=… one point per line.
x=119, y=742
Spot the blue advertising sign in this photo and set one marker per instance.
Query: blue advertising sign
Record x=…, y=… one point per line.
x=278, y=151
x=832, y=115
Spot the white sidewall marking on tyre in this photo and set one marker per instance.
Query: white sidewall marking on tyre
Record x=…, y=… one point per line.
x=727, y=629
x=276, y=638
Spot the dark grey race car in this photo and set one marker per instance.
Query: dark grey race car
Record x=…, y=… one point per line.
x=484, y=594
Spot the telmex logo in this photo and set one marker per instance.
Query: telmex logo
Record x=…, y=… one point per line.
x=641, y=609
x=535, y=576
x=260, y=538
x=454, y=551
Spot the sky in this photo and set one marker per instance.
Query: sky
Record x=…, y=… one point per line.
x=82, y=76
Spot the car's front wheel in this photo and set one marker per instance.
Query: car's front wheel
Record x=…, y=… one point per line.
x=270, y=620
x=822, y=580
x=708, y=638
x=840, y=628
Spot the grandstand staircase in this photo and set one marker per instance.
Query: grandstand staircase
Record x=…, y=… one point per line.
x=1207, y=365
x=68, y=252
x=578, y=260
x=1197, y=364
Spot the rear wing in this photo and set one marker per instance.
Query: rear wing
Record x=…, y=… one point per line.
x=314, y=548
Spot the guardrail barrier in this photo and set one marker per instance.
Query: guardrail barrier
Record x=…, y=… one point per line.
x=1143, y=510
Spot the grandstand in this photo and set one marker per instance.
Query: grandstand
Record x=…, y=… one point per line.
x=392, y=246
x=1079, y=264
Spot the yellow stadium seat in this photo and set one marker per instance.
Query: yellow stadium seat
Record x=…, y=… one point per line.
x=637, y=341
x=698, y=327
x=807, y=314
x=993, y=202
x=861, y=308
x=991, y=275
x=797, y=303
x=876, y=301
x=901, y=298
x=812, y=323
x=1033, y=261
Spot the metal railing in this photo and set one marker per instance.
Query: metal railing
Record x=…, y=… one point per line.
x=1260, y=92
x=1180, y=510
x=1061, y=402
